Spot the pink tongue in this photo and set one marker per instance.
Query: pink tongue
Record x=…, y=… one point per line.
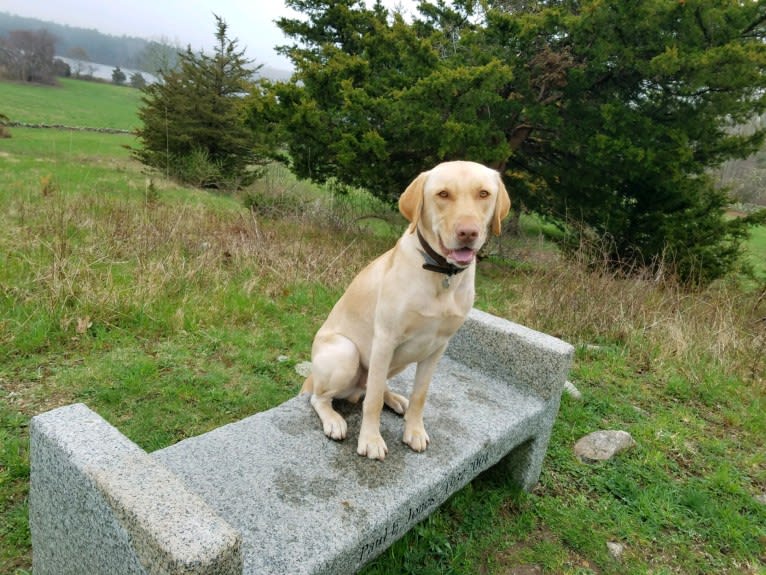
x=463, y=256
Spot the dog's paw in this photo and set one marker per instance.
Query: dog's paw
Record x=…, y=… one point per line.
x=416, y=438
x=373, y=447
x=335, y=426
x=397, y=402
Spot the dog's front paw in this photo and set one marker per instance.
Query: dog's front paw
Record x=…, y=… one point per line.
x=372, y=446
x=416, y=437
x=334, y=426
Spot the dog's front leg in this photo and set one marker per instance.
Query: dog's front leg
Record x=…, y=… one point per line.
x=414, y=431
x=371, y=442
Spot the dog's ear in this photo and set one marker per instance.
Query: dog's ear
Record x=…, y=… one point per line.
x=502, y=207
x=411, y=201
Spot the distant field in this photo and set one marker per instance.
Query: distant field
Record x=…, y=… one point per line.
x=73, y=103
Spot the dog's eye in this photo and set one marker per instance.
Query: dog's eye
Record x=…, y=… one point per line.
x=484, y=194
x=443, y=194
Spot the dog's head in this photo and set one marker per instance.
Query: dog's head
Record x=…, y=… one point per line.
x=453, y=205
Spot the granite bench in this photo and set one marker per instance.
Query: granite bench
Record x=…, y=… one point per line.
x=271, y=494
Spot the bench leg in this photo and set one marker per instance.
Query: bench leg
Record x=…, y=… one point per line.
x=524, y=463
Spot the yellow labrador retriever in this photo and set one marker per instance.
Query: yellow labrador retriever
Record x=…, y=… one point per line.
x=405, y=306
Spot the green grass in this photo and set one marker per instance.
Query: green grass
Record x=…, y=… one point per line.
x=73, y=103
x=37, y=146
x=171, y=311
x=76, y=159
x=756, y=248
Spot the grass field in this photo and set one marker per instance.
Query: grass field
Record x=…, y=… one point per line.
x=757, y=250
x=73, y=103
x=170, y=312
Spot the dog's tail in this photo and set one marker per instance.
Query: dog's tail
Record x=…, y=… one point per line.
x=308, y=385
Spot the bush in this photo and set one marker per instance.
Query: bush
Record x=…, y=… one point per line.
x=193, y=122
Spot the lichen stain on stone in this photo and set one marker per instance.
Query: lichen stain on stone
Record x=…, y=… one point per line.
x=479, y=395
x=295, y=489
x=372, y=474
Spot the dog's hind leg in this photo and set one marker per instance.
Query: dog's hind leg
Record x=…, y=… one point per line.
x=335, y=371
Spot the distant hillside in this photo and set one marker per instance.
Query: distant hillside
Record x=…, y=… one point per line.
x=121, y=51
x=124, y=51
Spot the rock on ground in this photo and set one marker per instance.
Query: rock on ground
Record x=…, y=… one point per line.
x=602, y=445
x=571, y=390
x=615, y=549
x=303, y=368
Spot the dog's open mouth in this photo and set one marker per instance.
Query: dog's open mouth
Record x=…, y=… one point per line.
x=461, y=256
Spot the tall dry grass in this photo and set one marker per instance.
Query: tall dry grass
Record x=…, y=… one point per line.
x=724, y=324
x=108, y=258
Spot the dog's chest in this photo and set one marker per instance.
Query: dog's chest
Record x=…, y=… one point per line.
x=427, y=334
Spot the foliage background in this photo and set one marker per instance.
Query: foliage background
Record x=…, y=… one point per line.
x=606, y=117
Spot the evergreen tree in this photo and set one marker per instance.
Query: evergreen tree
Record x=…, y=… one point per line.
x=646, y=95
x=352, y=111
x=137, y=80
x=118, y=76
x=606, y=116
x=194, y=119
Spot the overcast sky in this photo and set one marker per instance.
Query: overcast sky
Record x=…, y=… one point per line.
x=181, y=22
